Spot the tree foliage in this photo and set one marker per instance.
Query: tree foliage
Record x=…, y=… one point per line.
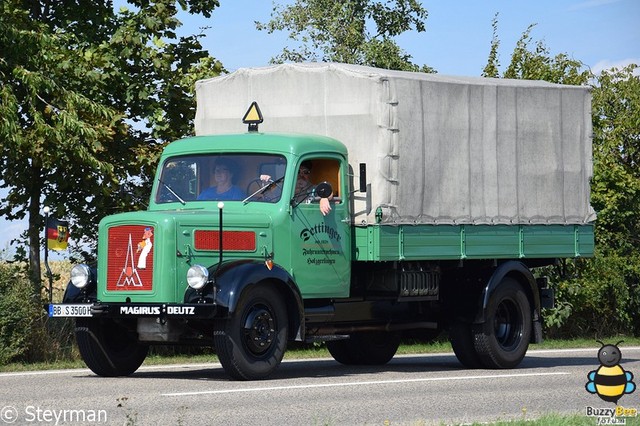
x=355, y=31
x=534, y=63
x=88, y=97
x=616, y=184
x=18, y=320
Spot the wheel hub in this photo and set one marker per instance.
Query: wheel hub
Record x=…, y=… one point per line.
x=508, y=325
x=259, y=331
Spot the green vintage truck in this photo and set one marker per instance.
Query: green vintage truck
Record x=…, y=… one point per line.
x=445, y=194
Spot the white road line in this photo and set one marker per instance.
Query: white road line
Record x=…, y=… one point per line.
x=86, y=370
x=367, y=383
x=44, y=372
x=593, y=350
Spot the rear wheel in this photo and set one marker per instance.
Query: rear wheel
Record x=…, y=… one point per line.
x=251, y=343
x=371, y=348
x=109, y=348
x=503, y=339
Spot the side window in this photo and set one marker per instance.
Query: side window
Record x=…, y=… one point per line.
x=311, y=172
x=328, y=170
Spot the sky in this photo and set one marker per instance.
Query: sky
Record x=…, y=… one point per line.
x=599, y=33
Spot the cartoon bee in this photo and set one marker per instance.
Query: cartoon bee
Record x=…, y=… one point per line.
x=610, y=381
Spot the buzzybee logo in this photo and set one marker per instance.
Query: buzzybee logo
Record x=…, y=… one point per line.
x=610, y=381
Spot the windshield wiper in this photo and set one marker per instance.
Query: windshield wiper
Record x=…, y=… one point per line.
x=263, y=189
x=183, y=202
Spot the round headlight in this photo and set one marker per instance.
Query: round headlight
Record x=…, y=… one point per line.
x=197, y=276
x=80, y=275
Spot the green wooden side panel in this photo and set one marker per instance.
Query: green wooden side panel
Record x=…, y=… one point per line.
x=432, y=242
x=450, y=242
x=492, y=242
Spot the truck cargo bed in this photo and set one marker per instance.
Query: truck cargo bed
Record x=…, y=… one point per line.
x=453, y=242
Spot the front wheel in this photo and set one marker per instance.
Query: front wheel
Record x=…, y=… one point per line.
x=370, y=348
x=109, y=348
x=251, y=342
x=461, y=338
x=503, y=340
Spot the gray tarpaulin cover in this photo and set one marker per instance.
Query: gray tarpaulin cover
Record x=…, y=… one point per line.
x=438, y=149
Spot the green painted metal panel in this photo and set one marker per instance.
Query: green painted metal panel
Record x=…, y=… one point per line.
x=446, y=242
x=432, y=242
x=492, y=242
x=549, y=241
x=585, y=241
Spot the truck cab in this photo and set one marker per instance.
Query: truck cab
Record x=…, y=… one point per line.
x=273, y=220
x=164, y=274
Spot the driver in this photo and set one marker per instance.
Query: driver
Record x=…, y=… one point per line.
x=305, y=188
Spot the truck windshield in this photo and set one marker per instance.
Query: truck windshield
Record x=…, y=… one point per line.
x=220, y=177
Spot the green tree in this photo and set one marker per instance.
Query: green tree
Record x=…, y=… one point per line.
x=492, y=69
x=615, y=193
x=75, y=78
x=534, y=63
x=355, y=31
x=615, y=190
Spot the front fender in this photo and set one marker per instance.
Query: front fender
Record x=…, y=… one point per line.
x=73, y=294
x=232, y=278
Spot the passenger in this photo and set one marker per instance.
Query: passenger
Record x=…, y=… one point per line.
x=224, y=172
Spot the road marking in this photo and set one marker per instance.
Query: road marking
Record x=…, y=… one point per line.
x=44, y=372
x=593, y=350
x=367, y=383
x=89, y=372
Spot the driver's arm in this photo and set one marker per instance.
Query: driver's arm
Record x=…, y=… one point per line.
x=325, y=205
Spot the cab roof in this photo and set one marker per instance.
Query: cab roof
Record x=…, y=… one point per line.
x=274, y=143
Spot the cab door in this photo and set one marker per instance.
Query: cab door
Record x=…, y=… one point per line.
x=321, y=245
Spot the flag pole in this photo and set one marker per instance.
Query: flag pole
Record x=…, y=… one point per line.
x=46, y=253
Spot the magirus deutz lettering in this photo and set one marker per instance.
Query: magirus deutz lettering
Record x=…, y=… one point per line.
x=140, y=310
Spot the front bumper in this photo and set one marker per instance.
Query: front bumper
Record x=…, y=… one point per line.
x=133, y=310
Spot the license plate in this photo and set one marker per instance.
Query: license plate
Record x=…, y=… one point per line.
x=69, y=310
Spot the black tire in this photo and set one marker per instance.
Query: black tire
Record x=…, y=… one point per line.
x=461, y=338
x=503, y=340
x=372, y=348
x=251, y=343
x=109, y=348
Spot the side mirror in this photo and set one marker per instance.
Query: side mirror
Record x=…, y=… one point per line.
x=363, y=177
x=324, y=190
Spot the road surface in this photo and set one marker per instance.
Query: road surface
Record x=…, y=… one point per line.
x=411, y=389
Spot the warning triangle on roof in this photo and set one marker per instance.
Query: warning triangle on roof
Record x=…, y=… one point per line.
x=253, y=117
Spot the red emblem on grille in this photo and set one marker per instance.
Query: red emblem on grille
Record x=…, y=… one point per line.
x=130, y=267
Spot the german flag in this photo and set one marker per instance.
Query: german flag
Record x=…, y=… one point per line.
x=57, y=234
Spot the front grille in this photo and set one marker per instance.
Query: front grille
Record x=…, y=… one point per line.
x=130, y=251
